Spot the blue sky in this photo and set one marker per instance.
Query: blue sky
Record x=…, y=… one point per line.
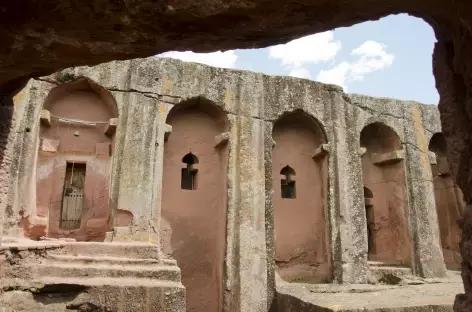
x=390, y=57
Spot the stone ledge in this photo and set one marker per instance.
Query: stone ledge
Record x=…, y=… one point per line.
x=443, y=167
x=104, y=294
x=167, y=131
x=45, y=118
x=32, y=246
x=321, y=151
x=110, y=128
x=433, y=295
x=221, y=139
x=432, y=158
x=388, y=158
x=368, y=202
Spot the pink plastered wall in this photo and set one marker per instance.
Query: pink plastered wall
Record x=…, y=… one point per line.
x=302, y=245
x=449, y=203
x=195, y=219
x=387, y=221
x=58, y=146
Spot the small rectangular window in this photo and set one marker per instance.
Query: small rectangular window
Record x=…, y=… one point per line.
x=287, y=189
x=188, y=179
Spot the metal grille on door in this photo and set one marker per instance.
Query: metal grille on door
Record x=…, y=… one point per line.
x=73, y=196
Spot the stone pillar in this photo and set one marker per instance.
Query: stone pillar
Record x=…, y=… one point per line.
x=427, y=254
x=247, y=216
x=269, y=144
x=8, y=165
x=163, y=132
x=137, y=152
x=23, y=143
x=6, y=120
x=349, y=228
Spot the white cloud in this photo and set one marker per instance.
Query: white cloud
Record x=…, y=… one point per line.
x=310, y=49
x=300, y=72
x=373, y=57
x=304, y=51
x=335, y=75
x=225, y=59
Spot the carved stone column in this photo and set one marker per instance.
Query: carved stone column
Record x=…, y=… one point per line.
x=138, y=168
x=349, y=229
x=427, y=253
x=246, y=226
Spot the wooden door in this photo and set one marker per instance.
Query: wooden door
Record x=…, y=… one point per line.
x=73, y=196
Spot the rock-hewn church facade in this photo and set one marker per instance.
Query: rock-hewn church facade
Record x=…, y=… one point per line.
x=213, y=182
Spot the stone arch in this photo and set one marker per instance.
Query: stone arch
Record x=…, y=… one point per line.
x=437, y=144
x=82, y=84
x=302, y=243
x=449, y=201
x=190, y=159
x=381, y=120
x=197, y=215
x=288, y=171
x=384, y=180
x=76, y=142
x=309, y=118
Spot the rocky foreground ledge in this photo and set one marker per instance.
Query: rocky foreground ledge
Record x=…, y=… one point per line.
x=409, y=295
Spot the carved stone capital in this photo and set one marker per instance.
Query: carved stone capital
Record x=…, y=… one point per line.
x=321, y=151
x=221, y=139
x=45, y=118
x=167, y=131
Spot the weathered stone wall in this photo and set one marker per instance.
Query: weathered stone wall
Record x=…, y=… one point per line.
x=146, y=89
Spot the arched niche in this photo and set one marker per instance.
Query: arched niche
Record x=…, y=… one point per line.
x=384, y=194
x=449, y=201
x=300, y=192
x=76, y=140
x=194, y=199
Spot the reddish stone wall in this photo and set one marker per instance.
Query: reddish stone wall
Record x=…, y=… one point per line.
x=387, y=218
x=449, y=203
x=302, y=244
x=197, y=218
x=58, y=145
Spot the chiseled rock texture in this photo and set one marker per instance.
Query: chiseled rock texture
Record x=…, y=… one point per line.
x=146, y=89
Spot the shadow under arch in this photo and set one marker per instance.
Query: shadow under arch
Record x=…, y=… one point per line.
x=449, y=202
x=437, y=144
x=368, y=193
x=379, y=138
x=81, y=84
x=200, y=103
x=301, y=117
x=384, y=195
x=302, y=241
x=194, y=200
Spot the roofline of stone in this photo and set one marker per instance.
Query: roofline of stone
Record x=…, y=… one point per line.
x=328, y=87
